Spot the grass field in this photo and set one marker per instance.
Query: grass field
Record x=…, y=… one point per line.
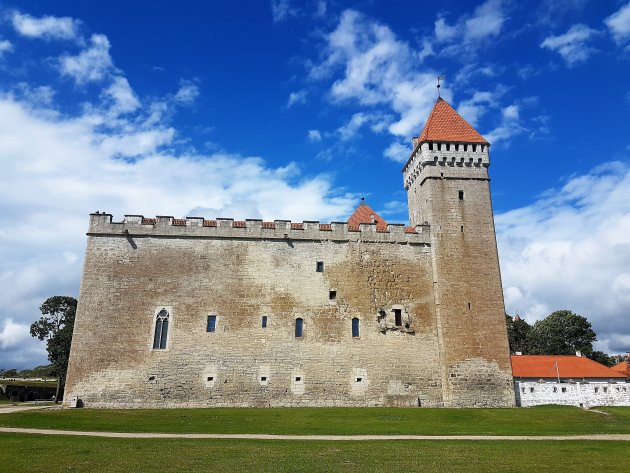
x=543, y=420
x=37, y=453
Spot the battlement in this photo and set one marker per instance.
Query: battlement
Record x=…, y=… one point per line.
x=101, y=224
x=472, y=157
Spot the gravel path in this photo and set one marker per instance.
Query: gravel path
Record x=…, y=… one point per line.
x=146, y=435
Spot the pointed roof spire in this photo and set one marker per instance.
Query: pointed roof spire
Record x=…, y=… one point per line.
x=445, y=124
x=364, y=214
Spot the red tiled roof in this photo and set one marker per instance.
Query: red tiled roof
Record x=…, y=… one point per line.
x=209, y=223
x=149, y=221
x=364, y=214
x=179, y=222
x=445, y=124
x=622, y=367
x=297, y=226
x=269, y=224
x=327, y=227
x=410, y=230
x=543, y=366
x=238, y=224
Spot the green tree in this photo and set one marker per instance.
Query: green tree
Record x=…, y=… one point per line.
x=55, y=326
x=518, y=334
x=561, y=333
x=603, y=358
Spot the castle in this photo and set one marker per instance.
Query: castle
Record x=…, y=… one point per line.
x=200, y=313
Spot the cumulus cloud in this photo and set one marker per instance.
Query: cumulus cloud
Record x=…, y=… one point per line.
x=188, y=92
x=314, y=136
x=45, y=27
x=619, y=24
x=573, y=45
x=124, y=99
x=5, y=47
x=571, y=249
x=398, y=151
x=90, y=65
x=282, y=10
x=296, y=98
x=378, y=69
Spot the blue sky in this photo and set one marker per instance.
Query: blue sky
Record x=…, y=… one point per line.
x=291, y=110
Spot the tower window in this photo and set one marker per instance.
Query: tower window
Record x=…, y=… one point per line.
x=460, y=194
x=212, y=323
x=431, y=146
x=398, y=317
x=299, y=323
x=161, y=330
x=355, y=327
x=319, y=267
x=263, y=321
x=448, y=147
x=474, y=148
x=332, y=295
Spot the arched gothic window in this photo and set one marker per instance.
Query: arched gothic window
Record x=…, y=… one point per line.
x=161, y=330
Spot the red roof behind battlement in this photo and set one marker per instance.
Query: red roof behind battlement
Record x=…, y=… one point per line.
x=544, y=366
x=364, y=214
x=445, y=124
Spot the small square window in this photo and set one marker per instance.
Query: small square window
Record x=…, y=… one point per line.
x=564, y=390
x=319, y=267
x=298, y=378
x=210, y=378
x=358, y=380
x=332, y=295
x=263, y=378
x=264, y=321
x=531, y=390
x=212, y=323
x=596, y=390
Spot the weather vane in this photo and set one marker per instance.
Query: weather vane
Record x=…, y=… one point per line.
x=439, y=78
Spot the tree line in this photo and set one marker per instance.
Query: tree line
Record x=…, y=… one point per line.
x=560, y=333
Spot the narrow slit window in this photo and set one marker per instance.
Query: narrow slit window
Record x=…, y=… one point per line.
x=319, y=267
x=264, y=321
x=398, y=317
x=430, y=146
x=332, y=295
x=469, y=306
x=160, y=336
x=460, y=195
x=355, y=327
x=299, y=326
x=212, y=323
x=462, y=229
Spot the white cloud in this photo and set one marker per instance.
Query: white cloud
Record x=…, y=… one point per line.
x=314, y=136
x=46, y=27
x=486, y=21
x=379, y=70
x=188, y=92
x=123, y=97
x=443, y=31
x=509, y=127
x=5, y=47
x=295, y=98
x=571, y=249
x=282, y=10
x=572, y=45
x=90, y=65
x=619, y=24
x=398, y=152
x=475, y=107
x=12, y=334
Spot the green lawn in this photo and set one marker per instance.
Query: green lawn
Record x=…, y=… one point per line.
x=543, y=420
x=35, y=453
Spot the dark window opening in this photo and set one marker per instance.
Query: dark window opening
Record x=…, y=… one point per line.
x=461, y=229
x=210, y=378
x=359, y=380
x=355, y=327
x=469, y=306
x=263, y=378
x=448, y=147
x=264, y=321
x=212, y=323
x=430, y=146
x=461, y=195
x=319, y=267
x=531, y=390
x=474, y=148
x=441, y=174
x=398, y=317
x=161, y=330
x=298, y=378
x=564, y=390
x=151, y=378
x=332, y=295
x=298, y=327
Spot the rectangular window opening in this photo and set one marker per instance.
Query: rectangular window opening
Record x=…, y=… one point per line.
x=531, y=390
x=212, y=323
x=564, y=390
x=263, y=378
x=460, y=195
x=332, y=295
x=359, y=380
x=462, y=229
x=319, y=267
x=210, y=378
x=298, y=378
x=398, y=317
x=264, y=321
x=355, y=327
x=469, y=306
x=298, y=327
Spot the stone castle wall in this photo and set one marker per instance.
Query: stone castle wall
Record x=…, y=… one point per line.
x=240, y=271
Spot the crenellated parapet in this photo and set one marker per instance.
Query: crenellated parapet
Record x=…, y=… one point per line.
x=447, y=160
x=101, y=224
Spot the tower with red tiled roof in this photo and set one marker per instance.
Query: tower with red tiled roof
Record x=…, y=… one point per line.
x=447, y=183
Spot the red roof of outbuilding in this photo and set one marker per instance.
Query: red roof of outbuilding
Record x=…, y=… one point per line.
x=622, y=367
x=364, y=214
x=445, y=124
x=543, y=366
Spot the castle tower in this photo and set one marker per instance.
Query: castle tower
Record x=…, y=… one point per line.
x=447, y=183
